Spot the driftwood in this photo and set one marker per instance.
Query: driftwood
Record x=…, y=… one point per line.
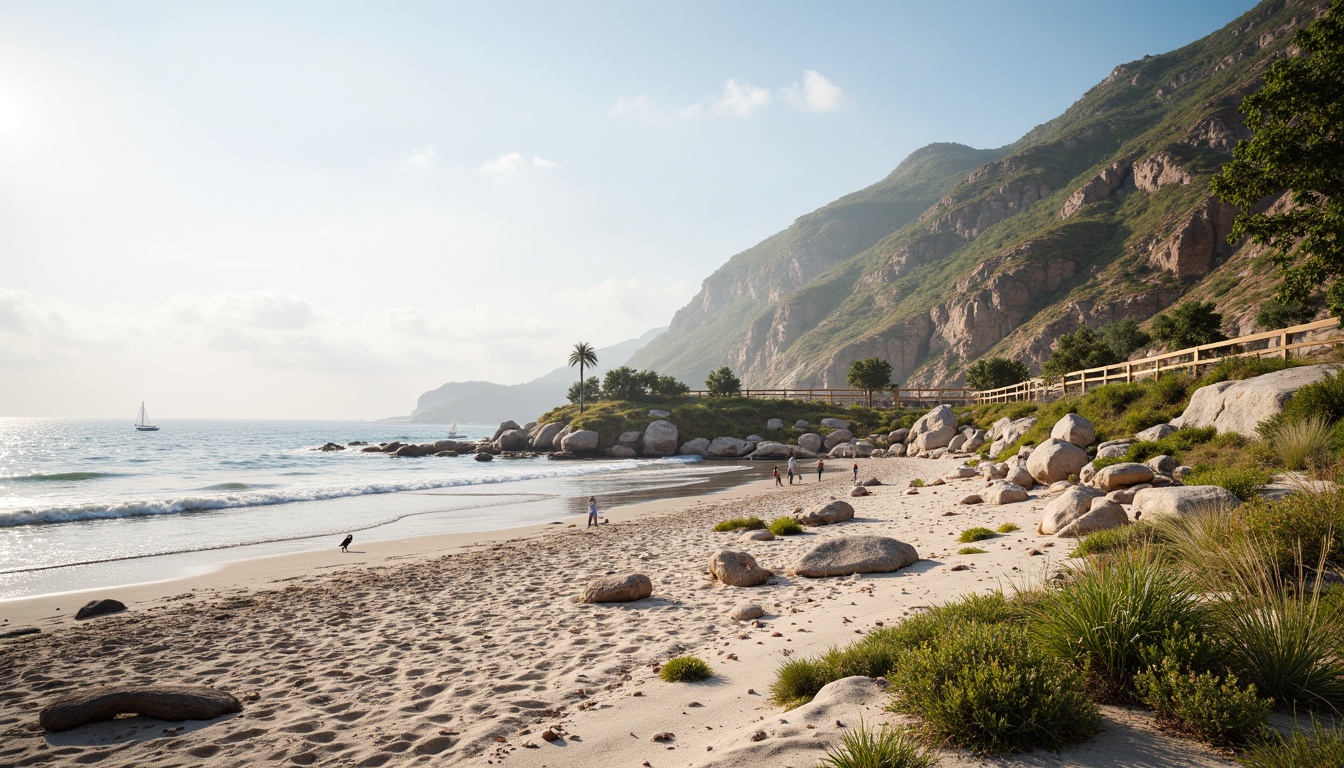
x=161, y=702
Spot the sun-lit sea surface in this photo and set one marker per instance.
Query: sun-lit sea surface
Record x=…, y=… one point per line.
x=87, y=503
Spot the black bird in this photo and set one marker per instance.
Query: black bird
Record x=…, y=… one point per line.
x=349, y=537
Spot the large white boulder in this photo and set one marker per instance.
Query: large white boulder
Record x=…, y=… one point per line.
x=1073, y=503
x=774, y=424
x=934, y=429
x=1240, y=406
x=1055, y=460
x=837, y=437
x=826, y=513
x=1122, y=475
x=769, y=449
x=1102, y=515
x=1003, y=492
x=810, y=442
x=846, y=555
x=1183, y=500
x=728, y=447
x=545, y=437
x=660, y=438
x=1005, y=433
x=1074, y=429
x=579, y=441
x=1155, y=433
x=697, y=447
x=835, y=423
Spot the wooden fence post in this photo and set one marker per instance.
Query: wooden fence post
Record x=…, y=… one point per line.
x=1283, y=344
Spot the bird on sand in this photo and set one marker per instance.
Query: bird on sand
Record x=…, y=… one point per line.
x=349, y=537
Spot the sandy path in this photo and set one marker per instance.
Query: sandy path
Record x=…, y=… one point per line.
x=467, y=658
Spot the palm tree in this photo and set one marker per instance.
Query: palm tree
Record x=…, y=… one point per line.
x=583, y=355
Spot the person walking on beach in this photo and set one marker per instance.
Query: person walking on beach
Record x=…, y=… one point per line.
x=820, y=467
x=856, y=471
x=777, y=480
x=349, y=537
x=793, y=468
x=592, y=512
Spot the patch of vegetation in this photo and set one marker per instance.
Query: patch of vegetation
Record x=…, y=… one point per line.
x=864, y=747
x=1243, y=481
x=752, y=523
x=685, y=669
x=1320, y=748
x=978, y=533
x=1217, y=710
x=1136, y=536
x=1300, y=443
x=786, y=526
x=996, y=372
x=917, y=483
x=1189, y=324
x=1008, y=528
x=1306, y=526
x=970, y=551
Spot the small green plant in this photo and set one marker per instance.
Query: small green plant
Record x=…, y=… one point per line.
x=1219, y=711
x=1321, y=748
x=752, y=523
x=1300, y=443
x=970, y=551
x=1244, y=482
x=864, y=747
x=1308, y=524
x=785, y=526
x=989, y=689
x=1134, y=536
x=978, y=533
x=685, y=669
x=1008, y=528
x=1323, y=399
x=917, y=483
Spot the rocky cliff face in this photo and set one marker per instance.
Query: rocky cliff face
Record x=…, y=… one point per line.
x=1102, y=213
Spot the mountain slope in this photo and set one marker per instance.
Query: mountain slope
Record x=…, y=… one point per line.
x=1103, y=212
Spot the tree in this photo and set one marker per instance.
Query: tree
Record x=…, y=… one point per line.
x=582, y=356
x=1283, y=311
x=722, y=383
x=1077, y=351
x=1296, y=144
x=623, y=383
x=667, y=387
x=589, y=389
x=995, y=372
x=869, y=374
x=1190, y=324
x=1123, y=337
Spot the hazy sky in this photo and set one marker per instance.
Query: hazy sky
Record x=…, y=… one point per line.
x=297, y=210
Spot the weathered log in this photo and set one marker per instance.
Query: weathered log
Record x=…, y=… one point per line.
x=161, y=702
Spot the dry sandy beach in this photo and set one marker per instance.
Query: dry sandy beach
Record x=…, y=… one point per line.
x=430, y=651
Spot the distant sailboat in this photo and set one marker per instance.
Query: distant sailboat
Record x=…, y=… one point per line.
x=452, y=429
x=142, y=421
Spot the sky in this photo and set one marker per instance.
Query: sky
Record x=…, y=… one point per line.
x=322, y=210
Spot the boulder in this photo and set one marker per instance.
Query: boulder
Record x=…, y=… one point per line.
x=1162, y=481
x=660, y=438
x=737, y=569
x=863, y=449
x=1126, y=495
x=329, y=447
x=1153, y=434
x=504, y=427
x=1018, y=475
x=835, y=423
x=1003, y=492
x=896, y=451
x=1008, y=432
x=1113, y=450
x=659, y=414
x=557, y=444
x=957, y=442
x=622, y=452
x=1240, y=406
x=697, y=447
x=579, y=441
x=991, y=471
x=871, y=482
x=934, y=429
x=774, y=425
x=1121, y=475
x=801, y=424
x=1067, y=507
x=483, y=456
x=1162, y=465
x=1102, y=515
x=842, y=451
x=879, y=454
x=1024, y=452
x=1074, y=429
x=617, y=589
x=936, y=453
x=1182, y=472
x=762, y=534
x=413, y=451
x=755, y=439
x=174, y=703
x=975, y=441
x=1183, y=500
x=846, y=555
x=445, y=445
x=769, y=449
x=810, y=442
x=898, y=435
x=962, y=472
x=629, y=438
x=858, y=490
x=99, y=608
x=837, y=437
x=826, y=513
x=1055, y=459
x=1059, y=486
x=1088, y=472
x=511, y=440
x=746, y=612
x=728, y=447
x=974, y=498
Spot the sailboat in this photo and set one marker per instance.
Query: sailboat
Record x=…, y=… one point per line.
x=452, y=429
x=142, y=421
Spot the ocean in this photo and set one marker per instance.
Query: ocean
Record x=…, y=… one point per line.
x=88, y=503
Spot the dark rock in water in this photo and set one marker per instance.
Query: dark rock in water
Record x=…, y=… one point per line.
x=161, y=702
x=372, y=449
x=100, y=608
x=18, y=632
x=484, y=457
x=331, y=447
x=354, y=443
x=563, y=456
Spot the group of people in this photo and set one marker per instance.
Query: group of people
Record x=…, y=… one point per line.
x=792, y=469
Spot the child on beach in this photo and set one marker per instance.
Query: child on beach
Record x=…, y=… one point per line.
x=856, y=471
x=820, y=467
x=592, y=512
x=777, y=480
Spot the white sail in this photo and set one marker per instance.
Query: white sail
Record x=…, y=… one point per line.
x=142, y=420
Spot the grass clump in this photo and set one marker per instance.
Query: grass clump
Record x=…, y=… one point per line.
x=970, y=551
x=685, y=669
x=1306, y=526
x=1300, y=443
x=1243, y=481
x=752, y=523
x=785, y=526
x=978, y=533
x=989, y=689
x=864, y=747
x=1136, y=536
x=1217, y=710
x=917, y=483
x=1008, y=528
x=1321, y=748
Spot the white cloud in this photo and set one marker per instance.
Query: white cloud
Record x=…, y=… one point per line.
x=737, y=99
x=514, y=162
x=424, y=156
x=815, y=93
x=638, y=106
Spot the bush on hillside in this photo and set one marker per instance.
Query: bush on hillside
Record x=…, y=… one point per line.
x=1190, y=324
x=1136, y=536
x=995, y=372
x=1286, y=311
x=1077, y=351
x=1239, y=368
x=1243, y=481
x=1216, y=709
x=723, y=382
x=1306, y=526
x=1123, y=337
x=591, y=390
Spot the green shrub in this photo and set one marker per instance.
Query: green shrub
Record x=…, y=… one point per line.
x=1008, y=528
x=1171, y=445
x=1299, y=443
x=1305, y=523
x=1102, y=463
x=970, y=551
x=917, y=483
x=1243, y=481
x=978, y=533
x=1216, y=710
x=798, y=680
x=863, y=747
x=685, y=669
x=1109, y=614
x=1134, y=536
x=1188, y=324
x=1322, y=748
x=785, y=526
x=989, y=689
x=752, y=523
x=1323, y=399
x=1238, y=368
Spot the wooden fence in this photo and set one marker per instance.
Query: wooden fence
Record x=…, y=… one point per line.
x=1280, y=343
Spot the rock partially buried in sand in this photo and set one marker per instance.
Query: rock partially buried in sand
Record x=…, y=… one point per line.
x=826, y=513
x=858, y=490
x=872, y=482
x=855, y=554
x=1003, y=492
x=746, y=612
x=161, y=702
x=1122, y=475
x=738, y=569
x=100, y=608
x=758, y=535
x=617, y=589
x=1182, y=501
x=1068, y=506
x=1104, y=514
